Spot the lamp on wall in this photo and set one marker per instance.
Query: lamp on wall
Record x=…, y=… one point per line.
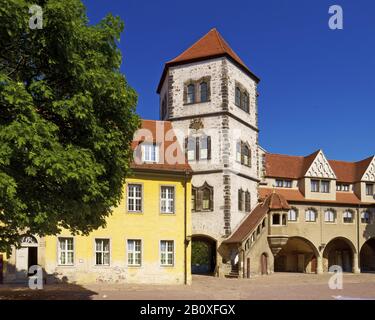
x=322, y=246
x=187, y=240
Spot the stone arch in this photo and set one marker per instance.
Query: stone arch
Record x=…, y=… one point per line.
x=367, y=256
x=298, y=255
x=203, y=254
x=339, y=251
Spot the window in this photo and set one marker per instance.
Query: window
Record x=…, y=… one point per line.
x=238, y=151
x=310, y=215
x=134, y=252
x=365, y=217
x=202, y=198
x=206, y=199
x=292, y=214
x=190, y=147
x=167, y=199
x=314, y=185
x=240, y=200
x=193, y=199
x=283, y=183
x=190, y=93
x=205, y=148
x=134, y=197
x=164, y=107
x=238, y=97
x=347, y=216
x=102, y=252
x=247, y=201
x=243, y=153
x=284, y=219
x=198, y=148
x=166, y=253
x=324, y=186
x=204, y=92
x=342, y=187
x=320, y=186
x=329, y=216
x=66, y=251
x=150, y=152
x=369, y=189
x=264, y=223
x=245, y=102
x=276, y=219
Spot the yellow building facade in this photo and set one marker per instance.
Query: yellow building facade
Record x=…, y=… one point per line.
x=146, y=239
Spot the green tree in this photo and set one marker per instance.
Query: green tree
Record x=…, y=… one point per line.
x=67, y=119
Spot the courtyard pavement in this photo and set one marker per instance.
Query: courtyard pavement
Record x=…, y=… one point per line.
x=276, y=286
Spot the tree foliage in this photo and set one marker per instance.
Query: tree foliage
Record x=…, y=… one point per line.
x=67, y=119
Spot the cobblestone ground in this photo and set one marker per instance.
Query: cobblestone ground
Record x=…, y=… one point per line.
x=277, y=286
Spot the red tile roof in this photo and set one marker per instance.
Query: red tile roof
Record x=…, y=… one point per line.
x=248, y=225
x=276, y=201
x=161, y=133
x=211, y=45
x=294, y=195
x=295, y=167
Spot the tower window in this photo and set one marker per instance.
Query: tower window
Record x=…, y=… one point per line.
x=245, y=102
x=204, y=92
x=238, y=97
x=202, y=198
x=190, y=93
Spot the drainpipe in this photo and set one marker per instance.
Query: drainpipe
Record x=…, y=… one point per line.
x=358, y=249
x=186, y=243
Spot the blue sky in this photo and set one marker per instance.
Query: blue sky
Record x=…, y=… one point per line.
x=317, y=86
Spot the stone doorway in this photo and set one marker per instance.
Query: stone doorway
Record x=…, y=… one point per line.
x=26, y=256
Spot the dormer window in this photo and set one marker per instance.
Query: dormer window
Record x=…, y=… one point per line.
x=150, y=152
x=204, y=91
x=342, y=187
x=369, y=189
x=322, y=186
x=190, y=93
x=283, y=183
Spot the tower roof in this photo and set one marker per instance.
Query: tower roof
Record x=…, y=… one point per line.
x=211, y=45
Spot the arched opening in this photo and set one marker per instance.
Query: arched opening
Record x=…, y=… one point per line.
x=367, y=256
x=203, y=255
x=339, y=252
x=264, y=263
x=298, y=255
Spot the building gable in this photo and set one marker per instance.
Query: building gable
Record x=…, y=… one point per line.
x=369, y=174
x=320, y=168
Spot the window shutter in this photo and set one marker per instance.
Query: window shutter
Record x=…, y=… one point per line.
x=197, y=148
x=209, y=148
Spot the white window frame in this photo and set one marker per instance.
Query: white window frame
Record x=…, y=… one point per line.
x=150, y=152
x=191, y=148
x=309, y=213
x=347, y=214
x=167, y=252
x=65, y=250
x=317, y=185
x=330, y=216
x=169, y=202
x=326, y=183
x=131, y=262
x=363, y=214
x=134, y=198
x=290, y=216
x=103, y=252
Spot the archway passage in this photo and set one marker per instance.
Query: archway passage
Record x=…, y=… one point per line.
x=367, y=256
x=339, y=252
x=203, y=255
x=298, y=255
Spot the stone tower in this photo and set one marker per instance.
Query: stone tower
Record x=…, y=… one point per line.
x=210, y=96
